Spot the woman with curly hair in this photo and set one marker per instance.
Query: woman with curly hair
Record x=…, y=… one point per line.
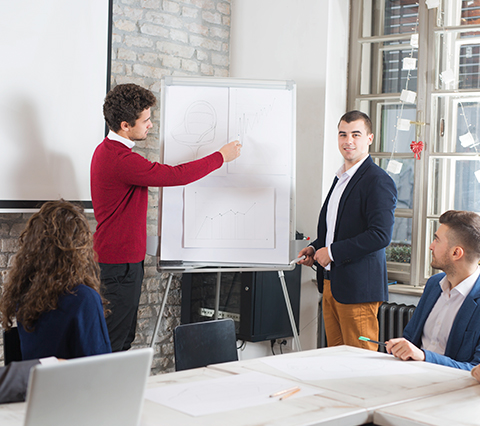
x=53, y=287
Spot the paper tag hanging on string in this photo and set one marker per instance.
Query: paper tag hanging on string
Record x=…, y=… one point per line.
x=409, y=63
x=447, y=76
x=403, y=124
x=477, y=175
x=467, y=140
x=414, y=40
x=432, y=3
x=417, y=148
x=408, y=96
x=394, y=167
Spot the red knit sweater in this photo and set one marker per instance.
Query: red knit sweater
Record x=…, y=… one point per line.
x=119, y=181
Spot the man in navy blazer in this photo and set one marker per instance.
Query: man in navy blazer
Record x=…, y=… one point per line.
x=445, y=327
x=355, y=226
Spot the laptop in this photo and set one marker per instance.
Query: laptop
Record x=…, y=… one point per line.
x=104, y=390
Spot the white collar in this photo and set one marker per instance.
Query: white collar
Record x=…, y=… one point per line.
x=351, y=171
x=116, y=137
x=464, y=287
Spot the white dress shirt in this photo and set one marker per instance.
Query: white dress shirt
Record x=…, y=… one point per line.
x=440, y=320
x=332, y=208
x=115, y=137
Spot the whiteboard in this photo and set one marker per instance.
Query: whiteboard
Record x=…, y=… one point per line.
x=53, y=79
x=242, y=213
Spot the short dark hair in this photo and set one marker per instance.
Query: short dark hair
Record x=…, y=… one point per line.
x=463, y=230
x=126, y=102
x=355, y=115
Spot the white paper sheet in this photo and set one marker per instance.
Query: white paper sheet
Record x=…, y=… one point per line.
x=414, y=40
x=225, y=394
x=409, y=63
x=403, y=124
x=261, y=120
x=408, y=96
x=341, y=366
x=195, y=123
x=447, y=76
x=229, y=217
x=467, y=140
x=394, y=167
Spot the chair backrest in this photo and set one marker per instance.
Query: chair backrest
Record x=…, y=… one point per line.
x=204, y=343
x=11, y=346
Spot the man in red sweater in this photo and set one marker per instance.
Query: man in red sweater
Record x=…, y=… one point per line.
x=119, y=184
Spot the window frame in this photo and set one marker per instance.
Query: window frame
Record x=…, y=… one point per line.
x=430, y=29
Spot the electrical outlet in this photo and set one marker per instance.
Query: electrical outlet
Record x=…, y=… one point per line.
x=286, y=344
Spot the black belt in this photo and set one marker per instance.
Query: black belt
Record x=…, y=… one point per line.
x=326, y=274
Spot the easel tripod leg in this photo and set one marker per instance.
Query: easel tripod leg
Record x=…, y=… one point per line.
x=162, y=309
x=281, y=275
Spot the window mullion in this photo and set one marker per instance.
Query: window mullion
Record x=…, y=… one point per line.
x=424, y=88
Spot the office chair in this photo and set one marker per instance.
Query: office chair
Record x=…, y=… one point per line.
x=204, y=343
x=11, y=346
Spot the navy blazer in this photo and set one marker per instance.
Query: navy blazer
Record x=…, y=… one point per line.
x=463, y=344
x=363, y=229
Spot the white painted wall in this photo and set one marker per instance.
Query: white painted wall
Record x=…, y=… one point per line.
x=305, y=41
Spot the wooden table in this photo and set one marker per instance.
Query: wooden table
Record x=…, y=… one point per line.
x=299, y=411
x=460, y=407
x=371, y=392
x=339, y=386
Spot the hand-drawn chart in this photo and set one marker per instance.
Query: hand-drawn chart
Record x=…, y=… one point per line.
x=195, y=123
x=229, y=217
x=261, y=120
x=198, y=126
x=241, y=214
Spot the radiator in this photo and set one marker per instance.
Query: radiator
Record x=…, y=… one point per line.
x=392, y=319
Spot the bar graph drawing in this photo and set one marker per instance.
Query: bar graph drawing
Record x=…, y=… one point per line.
x=229, y=217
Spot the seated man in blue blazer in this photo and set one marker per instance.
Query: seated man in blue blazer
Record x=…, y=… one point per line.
x=445, y=327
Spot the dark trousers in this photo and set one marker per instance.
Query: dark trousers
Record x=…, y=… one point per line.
x=122, y=286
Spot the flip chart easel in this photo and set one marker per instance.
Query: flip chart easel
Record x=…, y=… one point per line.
x=241, y=217
x=218, y=270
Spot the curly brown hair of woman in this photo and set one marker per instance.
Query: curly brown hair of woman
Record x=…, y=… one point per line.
x=55, y=255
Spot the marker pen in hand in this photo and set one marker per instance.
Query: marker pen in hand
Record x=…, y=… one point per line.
x=366, y=339
x=298, y=259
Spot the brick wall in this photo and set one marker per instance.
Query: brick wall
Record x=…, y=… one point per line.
x=152, y=39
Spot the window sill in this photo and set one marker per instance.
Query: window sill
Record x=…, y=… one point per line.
x=405, y=289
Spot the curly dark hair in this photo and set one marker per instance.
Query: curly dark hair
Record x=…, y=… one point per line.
x=126, y=102
x=55, y=255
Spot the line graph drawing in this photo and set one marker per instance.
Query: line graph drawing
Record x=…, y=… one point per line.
x=228, y=225
x=229, y=217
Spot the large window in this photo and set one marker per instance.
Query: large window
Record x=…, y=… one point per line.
x=414, y=68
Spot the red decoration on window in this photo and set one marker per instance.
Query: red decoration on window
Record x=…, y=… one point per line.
x=417, y=148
